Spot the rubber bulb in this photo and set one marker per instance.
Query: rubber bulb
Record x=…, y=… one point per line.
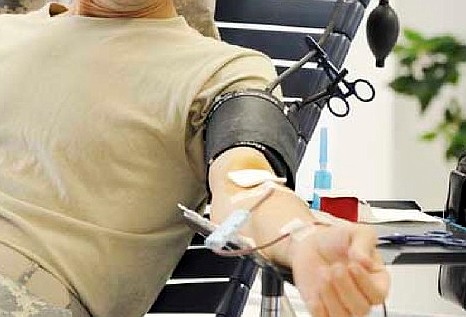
x=383, y=29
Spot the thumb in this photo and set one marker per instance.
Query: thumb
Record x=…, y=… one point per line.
x=363, y=246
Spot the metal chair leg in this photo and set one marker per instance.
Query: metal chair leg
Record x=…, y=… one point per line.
x=272, y=291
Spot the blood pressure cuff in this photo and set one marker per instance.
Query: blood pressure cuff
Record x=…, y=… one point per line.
x=253, y=118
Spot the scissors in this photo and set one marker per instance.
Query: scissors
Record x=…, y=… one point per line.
x=434, y=237
x=340, y=89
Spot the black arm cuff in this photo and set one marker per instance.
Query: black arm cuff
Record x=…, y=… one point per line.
x=255, y=119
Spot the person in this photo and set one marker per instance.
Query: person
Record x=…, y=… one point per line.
x=104, y=108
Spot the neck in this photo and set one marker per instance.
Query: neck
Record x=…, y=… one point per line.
x=126, y=8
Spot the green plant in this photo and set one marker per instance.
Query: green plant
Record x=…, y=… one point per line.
x=429, y=64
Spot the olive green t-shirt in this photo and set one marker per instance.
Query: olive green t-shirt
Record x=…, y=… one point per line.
x=100, y=138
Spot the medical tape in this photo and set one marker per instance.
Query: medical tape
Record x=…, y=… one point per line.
x=225, y=232
x=297, y=229
x=248, y=178
x=265, y=183
x=300, y=230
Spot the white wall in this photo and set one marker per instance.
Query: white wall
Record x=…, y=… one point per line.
x=420, y=171
x=376, y=150
x=360, y=145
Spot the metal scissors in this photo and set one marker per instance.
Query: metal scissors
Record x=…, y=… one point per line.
x=340, y=89
x=434, y=237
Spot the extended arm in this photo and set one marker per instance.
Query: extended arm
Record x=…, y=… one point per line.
x=337, y=269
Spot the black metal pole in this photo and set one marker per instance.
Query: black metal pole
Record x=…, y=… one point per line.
x=272, y=292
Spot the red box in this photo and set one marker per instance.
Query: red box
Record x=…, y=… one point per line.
x=341, y=207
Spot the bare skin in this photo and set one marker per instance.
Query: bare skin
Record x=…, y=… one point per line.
x=159, y=9
x=337, y=269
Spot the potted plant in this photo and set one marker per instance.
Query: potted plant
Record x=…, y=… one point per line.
x=428, y=64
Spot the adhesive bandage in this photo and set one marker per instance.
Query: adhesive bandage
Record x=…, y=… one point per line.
x=253, y=177
x=254, y=197
x=297, y=229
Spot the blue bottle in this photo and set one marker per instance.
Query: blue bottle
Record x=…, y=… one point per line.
x=322, y=177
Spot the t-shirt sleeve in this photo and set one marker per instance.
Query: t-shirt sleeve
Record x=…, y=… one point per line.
x=253, y=71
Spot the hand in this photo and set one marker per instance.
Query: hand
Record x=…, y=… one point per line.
x=339, y=272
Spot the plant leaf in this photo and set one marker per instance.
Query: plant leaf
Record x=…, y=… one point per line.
x=428, y=64
x=457, y=144
x=429, y=136
x=413, y=36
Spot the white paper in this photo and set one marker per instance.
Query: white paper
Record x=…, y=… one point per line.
x=381, y=215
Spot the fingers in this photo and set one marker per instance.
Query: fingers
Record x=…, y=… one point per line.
x=324, y=302
x=309, y=280
x=317, y=309
x=337, y=295
x=335, y=285
x=331, y=299
x=374, y=285
x=348, y=292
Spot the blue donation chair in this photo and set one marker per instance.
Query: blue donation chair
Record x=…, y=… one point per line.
x=278, y=28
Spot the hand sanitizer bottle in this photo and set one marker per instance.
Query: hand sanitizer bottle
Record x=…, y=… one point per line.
x=322, y=177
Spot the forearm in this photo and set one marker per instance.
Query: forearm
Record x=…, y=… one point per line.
x=270, y=216
x=337, y=269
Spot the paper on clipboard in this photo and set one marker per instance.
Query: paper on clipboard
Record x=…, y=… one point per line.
x=369, y=214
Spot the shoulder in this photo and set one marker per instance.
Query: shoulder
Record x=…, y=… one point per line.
x=245, y=68
x=236, y=58
x=212, y=46
x=225, y=64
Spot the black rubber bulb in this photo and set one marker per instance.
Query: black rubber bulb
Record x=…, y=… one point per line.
x=383, y=29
